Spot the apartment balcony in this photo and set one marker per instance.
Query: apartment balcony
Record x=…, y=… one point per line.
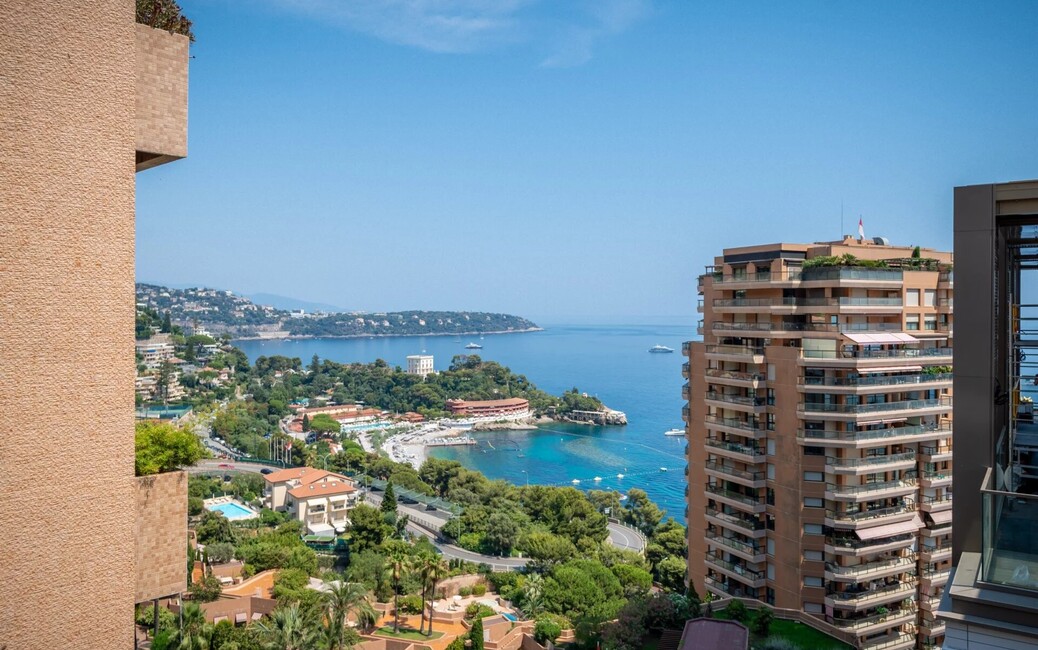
x=735, y=451
x=946, y=305
x=871, y=491
x=736, y=353
x=867, y=597
x=739, y=501
x=684, y=370
x=751, y=428
x=931, y=578
x=896, y=641
x=854, y=547
x=860, y=519
x=877, y=622
x=932, y=504
x=717, y=587
x=700, y=330
x=858, y=412
x=686, y=347
x=750, y=552
x=749, y=478
x=744, y=403
x=873, y=437
x=932, y=553
x=699, y=306
x=935, y=453
x=935, y=478
x=737, y=572
x=724, y=328
x=747, y=280
x=865, y=384
x=870, y=464
x=684, y=391
x=868, y=570
x=863, y=358
x=749, y=527
x=847, y=276
x=846, y=305
x=684, y=413
x=936, y=531
x=733, y=378
x=932, y=627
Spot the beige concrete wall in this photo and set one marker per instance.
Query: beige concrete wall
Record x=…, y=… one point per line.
x=161, y=535
x=161, y=100
x=66, y=323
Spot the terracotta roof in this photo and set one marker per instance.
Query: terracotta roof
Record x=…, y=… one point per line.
x=322, y=488
x=294, y=472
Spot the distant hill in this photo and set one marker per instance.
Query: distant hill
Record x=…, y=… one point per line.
x=292, y=304
x=220, y=311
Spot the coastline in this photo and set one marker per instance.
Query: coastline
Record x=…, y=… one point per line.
x=281, y=335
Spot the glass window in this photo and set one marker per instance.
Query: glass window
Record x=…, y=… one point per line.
x=929, y=297
x=812, y=581
x=812, y=529
x=813, y=556
x=912, y=298
x=814, y=477
x=771, y=447
x=771, y=572
x=912, y=322
x=930, y=323
x=771, y=546
x=813, y=502
x=813, y=608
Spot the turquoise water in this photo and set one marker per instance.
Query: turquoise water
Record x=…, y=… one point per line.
x=231, y=510
x=610, y=361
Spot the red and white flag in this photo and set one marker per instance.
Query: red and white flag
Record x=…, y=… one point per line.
x=861, y=229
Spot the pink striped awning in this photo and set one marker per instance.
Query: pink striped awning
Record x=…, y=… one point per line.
x=881, y=338
x=889, y=530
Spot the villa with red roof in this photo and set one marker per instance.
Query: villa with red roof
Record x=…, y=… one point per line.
x=318, y=498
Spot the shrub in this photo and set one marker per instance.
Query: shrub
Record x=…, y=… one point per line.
x=411, y=604
x=195, y=506
x=161, y=447
x=205, y=591
x=465, y=592
x=737, y=611
x=547, y=628
x=477, y=611
x=164, y=14
x=220, y=552
x=479, y=590
x=777, y=643
x=762, y=621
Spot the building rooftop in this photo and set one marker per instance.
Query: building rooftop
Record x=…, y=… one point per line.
x=322, y=487
x=713, y=634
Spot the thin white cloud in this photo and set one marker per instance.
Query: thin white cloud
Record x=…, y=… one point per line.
x=568, y=29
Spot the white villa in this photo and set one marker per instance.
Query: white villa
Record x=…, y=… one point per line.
x=318, y=498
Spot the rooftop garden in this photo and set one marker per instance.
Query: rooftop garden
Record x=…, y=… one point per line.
x=165, y=15
x=161, y=447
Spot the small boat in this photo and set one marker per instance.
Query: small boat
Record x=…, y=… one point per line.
x=660, y=349
x=663, y=469
x=674, y=432
x=619, y=476
x=575, y=481
x=473, y=346
x=598, y=478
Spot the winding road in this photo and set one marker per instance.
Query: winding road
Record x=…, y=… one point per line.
x=429, y=523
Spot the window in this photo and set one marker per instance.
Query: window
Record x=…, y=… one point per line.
x=812, y=529
x=771, y=572
x=814, y=477
x=771, y=472
x=813, y=502
x=812, y=581
x=813, y=608
x=810, y=450
x=771, y=372
x=771, y=447
x=912, y=322
x=813, y=556
x=930, y=323
x=912, y=298
x=929, y=297
x=771, y=546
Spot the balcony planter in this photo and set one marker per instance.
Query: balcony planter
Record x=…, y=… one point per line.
x=161, y=96
x=161, y=535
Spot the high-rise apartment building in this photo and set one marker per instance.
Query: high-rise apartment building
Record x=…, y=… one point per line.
x=87, y=98
x=992, y=597
x=819, y=434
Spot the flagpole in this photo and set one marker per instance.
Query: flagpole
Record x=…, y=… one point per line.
x=842, y=231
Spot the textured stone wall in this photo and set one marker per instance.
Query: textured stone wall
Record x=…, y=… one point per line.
x=161, y=535
x=67, y=79
x=161, y=101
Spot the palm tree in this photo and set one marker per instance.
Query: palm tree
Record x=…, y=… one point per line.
x=287, y=629
x=399, y=565
x=532, y=592
x=345, y=598
x=439, y=570
x=424, y=565
x=194, y=633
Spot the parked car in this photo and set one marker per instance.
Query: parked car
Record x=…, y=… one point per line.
x=266, y=470
x=226, y=465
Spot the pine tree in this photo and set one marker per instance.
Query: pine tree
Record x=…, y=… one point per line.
x=167, y=324
x=388, y=505
x=315, y=365
x=306, y=422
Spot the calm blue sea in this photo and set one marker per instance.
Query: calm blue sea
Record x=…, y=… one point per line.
x=610, y=361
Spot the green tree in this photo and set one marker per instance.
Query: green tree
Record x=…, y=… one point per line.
x=642, y=513
x=220, y=552
x=438, y=570
x=288, y=629
x=306, y=422
x=670, y=573
x=388, y=505
x=194, y=631
x=214, y=527
x=761, y=625
x=167, y=324
x=342, y=600
x=736, y=611
x=547, y=629
x=398, y=566
x=502, y=533
x=206, y=590
x=635, y=581
x=323, y=423
x=476, y=634
x=161, y=447
x=584, y=589
x=369, y=528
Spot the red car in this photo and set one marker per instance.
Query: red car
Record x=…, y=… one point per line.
x=227, y=465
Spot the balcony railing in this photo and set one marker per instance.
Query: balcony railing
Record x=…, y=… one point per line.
x=731, y=471
x=867, y=515
x=742, y=400
x=871, y=353
x=685, y=347
x=757, y=453
x=850, y=273
x=907, y=482
x=857, y=544
x=743, y=547
x=866, y=595
x=731, y=374
x=751, y=525
x=873, y=434
x=737, y=569
x=855, y=624
x=1007, y=537
x=751, y=425
x=738, y=350
x=879, y=407
x=869, y=461
x=735, y=496
x=865, y=571
x=877, y=380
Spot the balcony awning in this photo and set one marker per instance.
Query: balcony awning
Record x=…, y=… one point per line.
x=871, y=371
x=942, y=517
x=321, y=529
x=889, y=530
x=241, y=617
x=882, y=338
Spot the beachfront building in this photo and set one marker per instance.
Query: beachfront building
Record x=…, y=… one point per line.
x=992, y=594
x=155, y=351
x=819, y=434
x=318, y=498
x=511, y=408
x=88, y=98
x=420, y=364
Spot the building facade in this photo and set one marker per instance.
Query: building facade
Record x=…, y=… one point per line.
x=513, y=407
x=819, y=434
x=992, y=598
x=420, y=364
x=318, y=498
x=87, y=98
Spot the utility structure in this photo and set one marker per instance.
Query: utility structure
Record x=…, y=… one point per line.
x=819, y=434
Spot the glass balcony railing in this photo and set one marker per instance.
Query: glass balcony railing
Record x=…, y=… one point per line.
x=735, y=496
x=857, y=516
x=738, y=350
x=737, y=569
x=731, y=374
x=907, y=585
x=857, y=544
x=1009, y=555
x=866, y=570
x=742, y=400
x=755, y=452
x=731, y=471
x=751, y=425
x=879, y=486
x=747, y=524
x=869, y=461
x=879, y=407
x=855, y=624
x=878, y=380
x=731, y=542
x=875, y=434
x=872, y=353
x=850, y=273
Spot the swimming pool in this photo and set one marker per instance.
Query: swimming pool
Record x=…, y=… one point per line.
x=511, y=617
x=232, y=510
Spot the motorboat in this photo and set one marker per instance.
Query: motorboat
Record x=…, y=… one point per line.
x=674, y=432
x=473, y=346
x=660, y=349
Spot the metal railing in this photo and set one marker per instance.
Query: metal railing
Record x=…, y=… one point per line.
x=905, y=585
x=736, y=448
x=863, y=571
x=735, y=496
x=731, y=471
x=737, y=569
x=815, y=273
x=750, y=549
x=870, y=460
x=867, y=621
x=877, y=407
x=907, y=482
x=877, y=380
x=741, y=350
x=855, y=543
x=752, y=424
x=731, y=374
x=871, y=353
x=865, y=515
x=748, y=524
x=874, y=434
x=743, y=400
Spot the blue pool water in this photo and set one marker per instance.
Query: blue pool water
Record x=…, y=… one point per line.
x=510, y=617
x=231, y=510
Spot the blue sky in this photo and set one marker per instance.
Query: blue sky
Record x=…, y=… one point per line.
x=567, y=159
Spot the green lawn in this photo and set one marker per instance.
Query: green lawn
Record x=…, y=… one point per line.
x=803, y=636
x=408, y=633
